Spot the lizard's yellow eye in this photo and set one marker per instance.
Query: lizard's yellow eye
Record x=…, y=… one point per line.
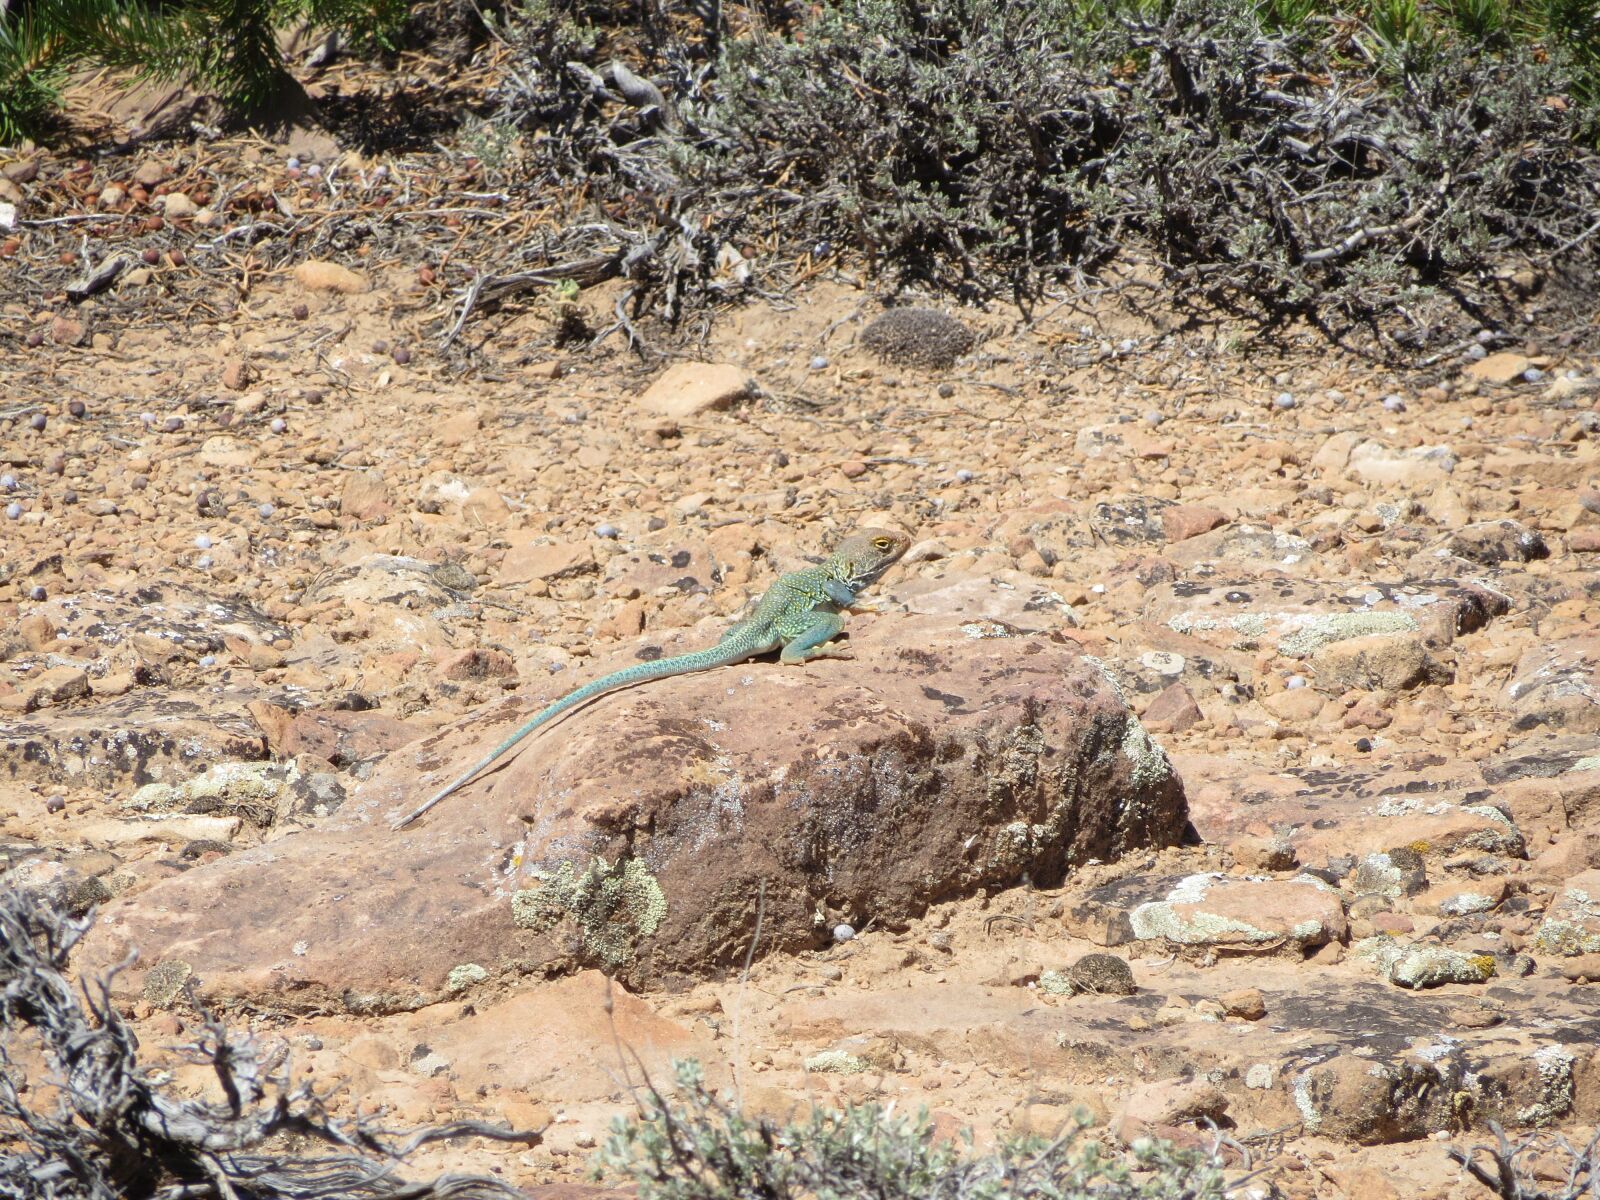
x=882, y=543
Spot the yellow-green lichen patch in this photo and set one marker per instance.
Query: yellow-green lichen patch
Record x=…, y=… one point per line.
x=464, y=976
x=1554, y=1064
x=1418, y=967
x=1566, y=939
x=837, y=1062
x=166, y=982
x=1314, y=631
x=249, y=789
x=1150, y=764
x=614, y=907
x=1054, y=983
x=1572, y=924
x=986, y=629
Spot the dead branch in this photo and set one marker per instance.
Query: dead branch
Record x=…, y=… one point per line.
x=109, y=1131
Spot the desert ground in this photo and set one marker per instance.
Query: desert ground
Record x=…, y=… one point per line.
x=1264, y=666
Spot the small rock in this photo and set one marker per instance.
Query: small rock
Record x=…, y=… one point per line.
x=1372, y=1101
x=236, y=375
x=1166, y=1104
x=1499, y=368
x=54, y=686
x=1388, y=876
x=64, y=331
x=176, y=206
x=529, y=561
x=366, y=497
x=689, y=389
x=1262, y=853
x=1494, y=543
x=1269, y=914
x=1172, y=711
x=1184, y=521
x=150, y=172
x=318, y=275
x=1388, y=661
x=478, y=663
x=1244, y=1004
x=1431, y=966
x=1100, y=975
x=1571, y=926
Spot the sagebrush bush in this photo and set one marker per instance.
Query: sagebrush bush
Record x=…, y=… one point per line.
x=696, y=1146
x=1267, y=161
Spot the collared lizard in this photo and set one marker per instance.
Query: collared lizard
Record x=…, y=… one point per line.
x=800, y=615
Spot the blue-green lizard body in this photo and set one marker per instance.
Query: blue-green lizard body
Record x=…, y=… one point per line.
x=799, y=616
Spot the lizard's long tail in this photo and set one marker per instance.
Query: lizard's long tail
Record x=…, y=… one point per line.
x=728, y=651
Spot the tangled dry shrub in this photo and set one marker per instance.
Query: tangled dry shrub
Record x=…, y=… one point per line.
x=100, y=1125
x=1346, y=170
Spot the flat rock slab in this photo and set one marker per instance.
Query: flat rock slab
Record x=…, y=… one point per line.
x=1248, y=915
x=1556, y=688
x=648, y=832
x=1295, y=618
x=1535, y=1065
x=1322, y=809
x=132, y=740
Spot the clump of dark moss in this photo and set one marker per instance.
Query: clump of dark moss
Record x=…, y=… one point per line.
x=918, y=337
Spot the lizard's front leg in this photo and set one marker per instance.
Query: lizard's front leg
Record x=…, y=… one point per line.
x=814, y=639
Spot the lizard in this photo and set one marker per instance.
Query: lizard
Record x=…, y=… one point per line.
x=799, y=616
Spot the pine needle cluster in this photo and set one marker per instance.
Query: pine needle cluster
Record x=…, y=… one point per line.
x=227, y=47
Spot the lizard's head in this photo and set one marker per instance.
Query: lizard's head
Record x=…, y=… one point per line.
x=866, y=554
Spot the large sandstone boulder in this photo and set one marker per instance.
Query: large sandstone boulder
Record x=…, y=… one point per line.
x=648, y=832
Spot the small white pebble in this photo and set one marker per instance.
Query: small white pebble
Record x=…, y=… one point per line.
x=314, y=170
x=1126, y=345
x=843, y=933
x=1485, y=335
x=606, y=530
x=1466, y=422
x=208, y=660
x=964, y=476
x=13, y=511
x=8, y=483
x=1335, y=395
x=1533, y=374
x=149, y=418
x=1475, y=352
x=37, y=592
x=1099, y=589
x=203, y=562
x=1394, y=404
x=202, y=542
x=1283, y=400
x=1294, y=681
x=819, y=362
x=1153, y=418
x=278, y=425
x=293, y=163
x=266, y=510
x=380, y=172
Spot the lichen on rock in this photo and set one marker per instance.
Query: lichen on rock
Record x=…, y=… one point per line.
x=615, y=907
